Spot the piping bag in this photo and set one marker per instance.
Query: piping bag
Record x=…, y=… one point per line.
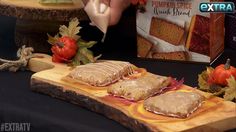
x=99, y=14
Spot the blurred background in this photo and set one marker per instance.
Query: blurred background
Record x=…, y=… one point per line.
x=120, y=41
x=7, y=28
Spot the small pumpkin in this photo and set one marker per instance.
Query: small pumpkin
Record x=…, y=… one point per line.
x=223, y=72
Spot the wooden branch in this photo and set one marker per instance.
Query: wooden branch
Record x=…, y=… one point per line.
x=89, y=103
x=214, y=115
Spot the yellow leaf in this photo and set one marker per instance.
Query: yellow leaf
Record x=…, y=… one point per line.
x=202, y=81
x=209, y=70
x=230, y=92
x=52, y=40
x=72, y=30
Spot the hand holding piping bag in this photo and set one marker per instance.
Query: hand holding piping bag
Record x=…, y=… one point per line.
x=116, y=9
x=104, y=13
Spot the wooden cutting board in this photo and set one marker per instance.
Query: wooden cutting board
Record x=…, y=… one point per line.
x=214, y=115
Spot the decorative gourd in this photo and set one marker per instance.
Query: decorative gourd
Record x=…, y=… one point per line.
x=223, y=72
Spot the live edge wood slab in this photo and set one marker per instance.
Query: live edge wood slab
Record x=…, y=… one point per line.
x=214, y=115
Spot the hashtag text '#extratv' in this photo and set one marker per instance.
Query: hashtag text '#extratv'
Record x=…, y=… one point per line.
x=14, y=127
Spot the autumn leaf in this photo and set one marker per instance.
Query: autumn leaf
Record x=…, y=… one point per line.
x=84, y=56
x=87, y=54
x=52, y=40
x=202, y=80
x=72, y=30
x=75, y=60
x=204, y=85
x=89, y=44
x=209, y=70
x=230, y=92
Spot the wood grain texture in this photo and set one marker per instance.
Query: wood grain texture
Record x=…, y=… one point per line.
x=89, y=103
x=32, y=10
x=214, y=115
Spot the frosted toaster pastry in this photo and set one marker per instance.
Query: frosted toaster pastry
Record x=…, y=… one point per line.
x=175, y=104
x=140, y=88
x=102, y=73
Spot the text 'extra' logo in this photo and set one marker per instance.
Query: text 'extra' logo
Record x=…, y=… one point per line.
x=217, y=7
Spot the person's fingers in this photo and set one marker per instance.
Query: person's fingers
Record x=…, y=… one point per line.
x=107, y=2
x=117, y=8
x=85, y=1
x=119, y=4
x=115, y=16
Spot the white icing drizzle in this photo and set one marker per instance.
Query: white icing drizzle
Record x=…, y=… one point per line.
x=111, y=71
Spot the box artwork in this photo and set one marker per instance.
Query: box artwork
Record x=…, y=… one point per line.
x=177, y=30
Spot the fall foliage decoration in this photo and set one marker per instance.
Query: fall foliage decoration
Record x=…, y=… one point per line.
x=68, y=47
x=222, y=73
x=220, y=81
x=64, y=49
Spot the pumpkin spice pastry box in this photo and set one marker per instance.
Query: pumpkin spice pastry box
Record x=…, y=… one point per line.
x=177, y=30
